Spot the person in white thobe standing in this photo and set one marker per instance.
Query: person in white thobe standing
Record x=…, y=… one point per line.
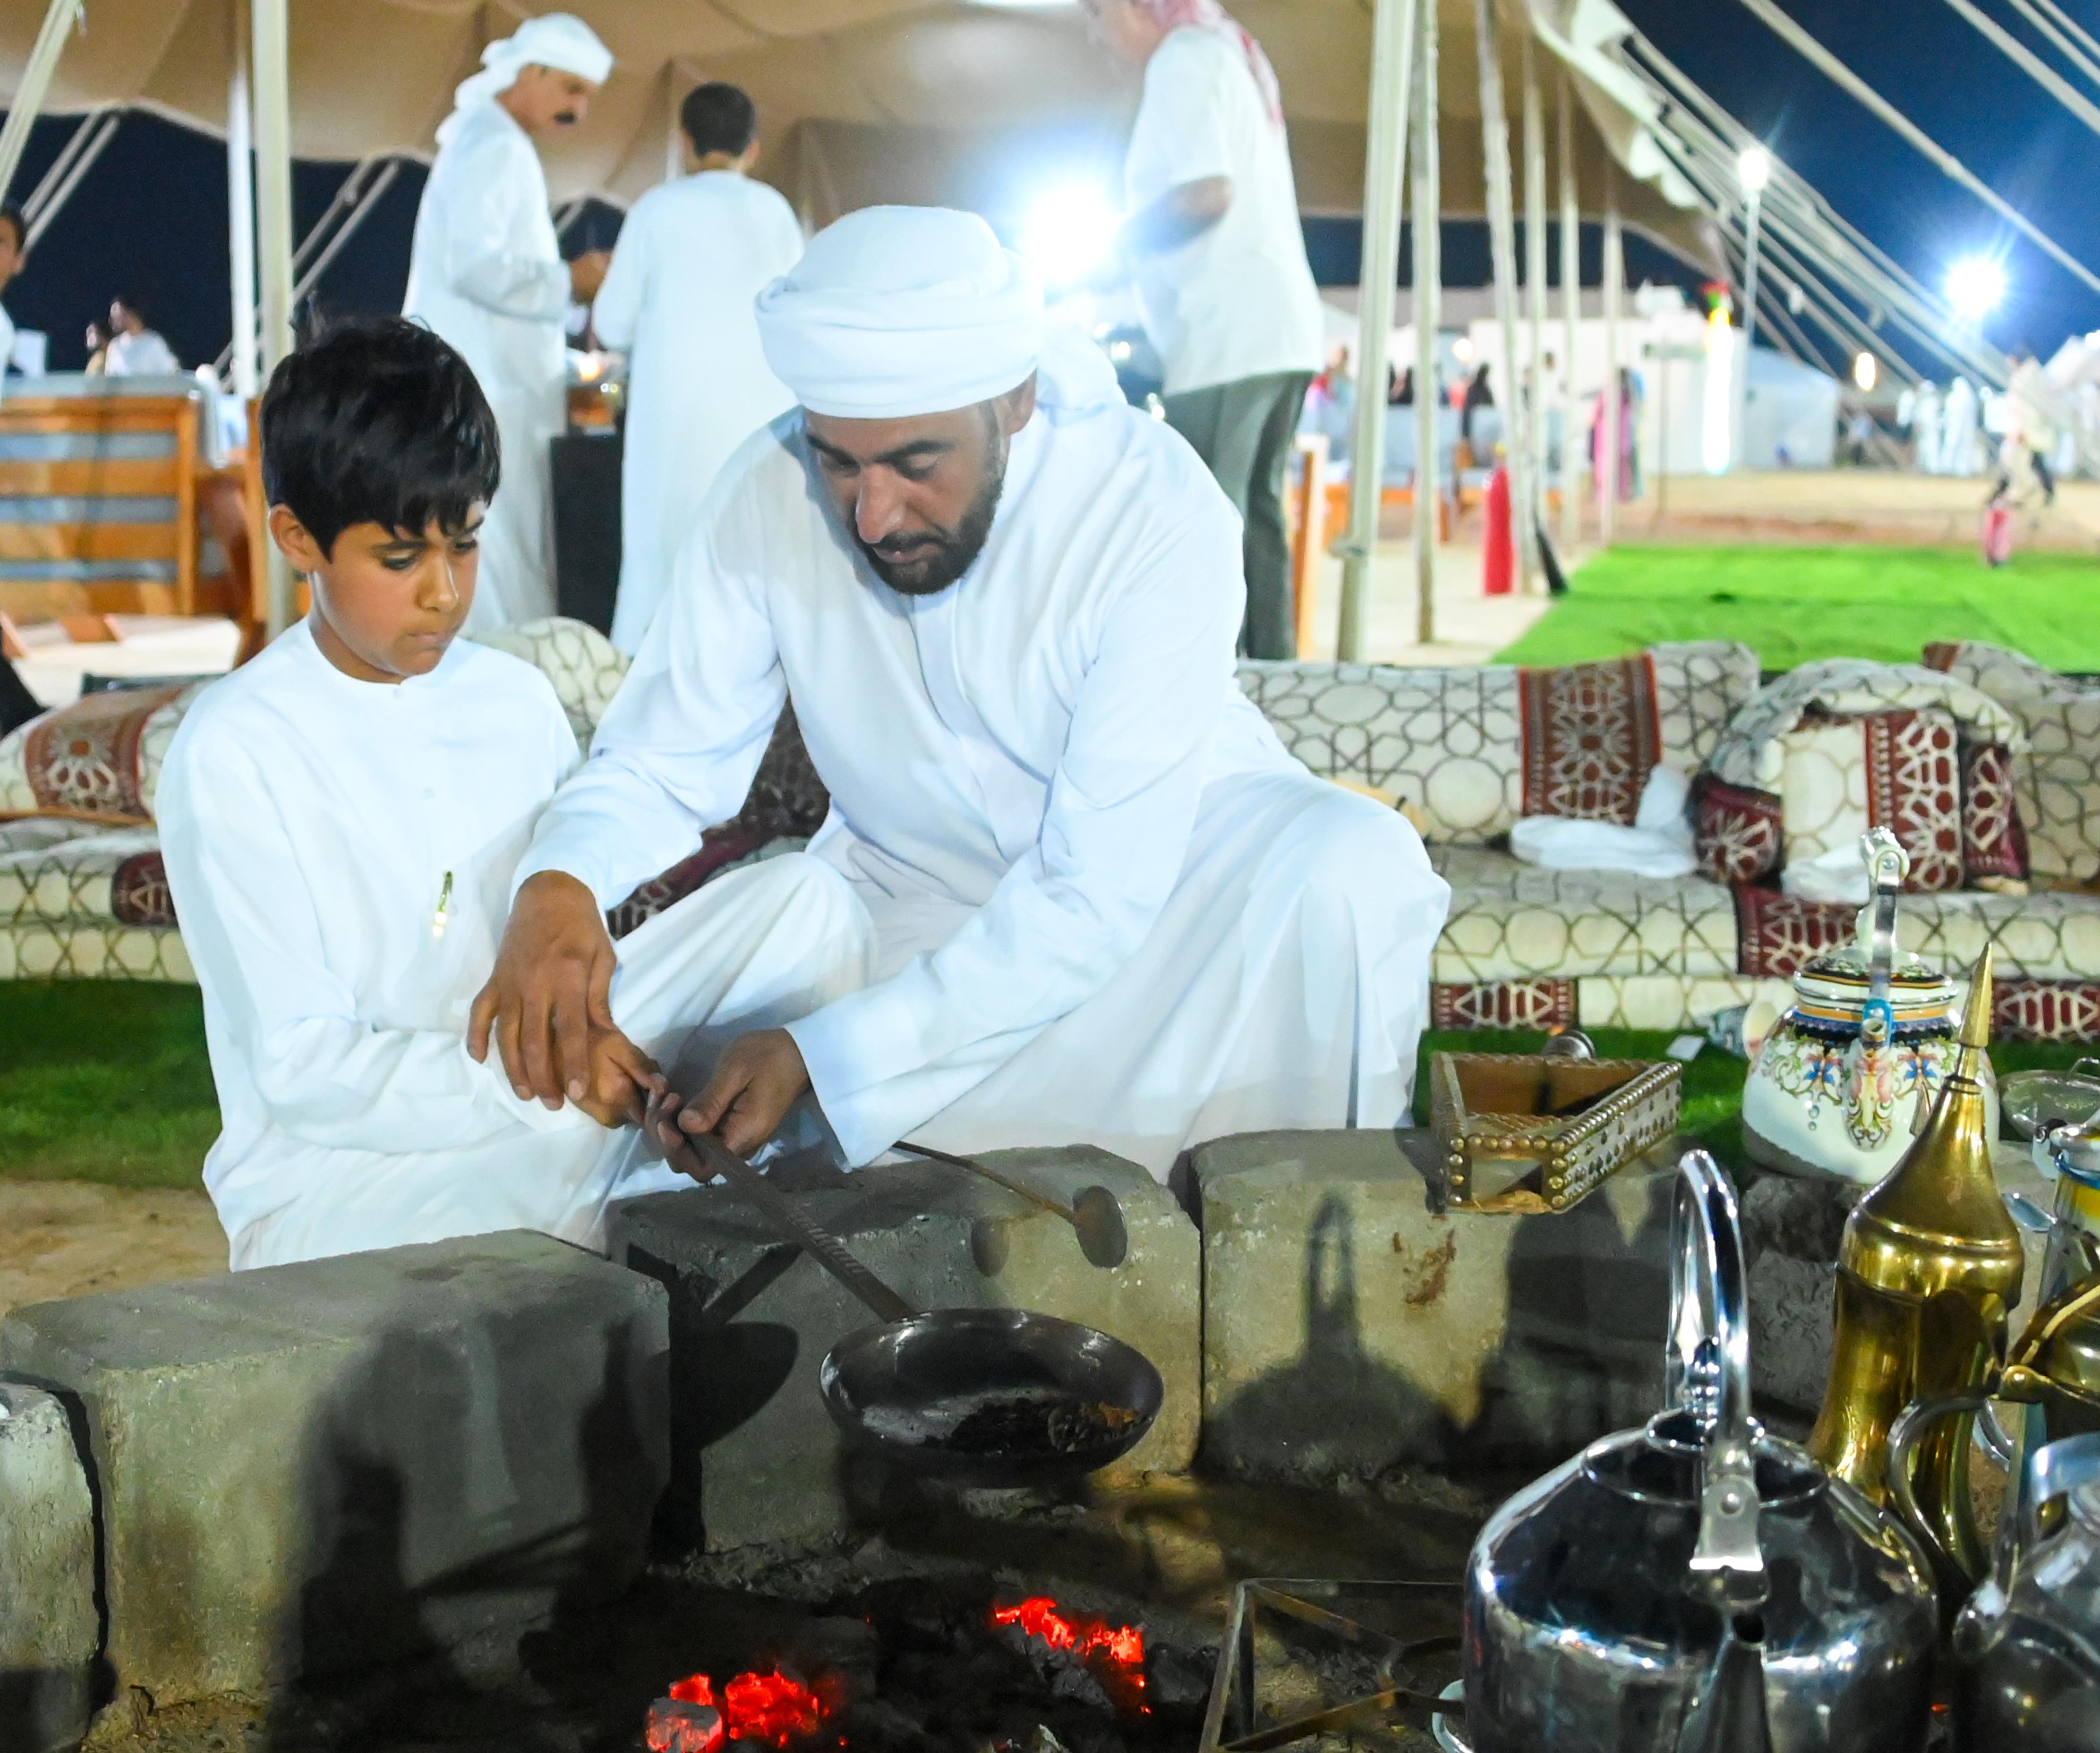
x=693, y=255
x=486, y=273
x=1106, y=905
x=1219, y=263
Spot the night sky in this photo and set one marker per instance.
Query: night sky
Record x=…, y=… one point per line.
x=152, y=216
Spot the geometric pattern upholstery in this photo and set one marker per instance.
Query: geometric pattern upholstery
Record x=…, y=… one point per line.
x=100, y=757
x=585, y=667
x=2057, y=777
x=1899, y=770
x=1510, y=920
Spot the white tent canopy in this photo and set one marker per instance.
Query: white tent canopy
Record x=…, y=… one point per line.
x=859, y=100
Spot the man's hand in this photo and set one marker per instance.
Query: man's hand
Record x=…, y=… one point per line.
x=587, y=274
x=756, y=1082
x=553, y=982
x=622, y=1078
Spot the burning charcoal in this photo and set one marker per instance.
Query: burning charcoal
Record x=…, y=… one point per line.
x=675, y=1725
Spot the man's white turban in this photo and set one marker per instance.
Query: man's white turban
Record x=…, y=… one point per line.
x=558, y=40
x=894, y=311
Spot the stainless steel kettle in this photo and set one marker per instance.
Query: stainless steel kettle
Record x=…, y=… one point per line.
x=1698, y=1586
x=2027, y=1646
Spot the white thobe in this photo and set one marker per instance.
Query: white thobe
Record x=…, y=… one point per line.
x=1237, y=300
x=1107, y=906
x=144, y=355
x=315, y=827
x=1957, y=430
x=693, y=255
x=486, y=273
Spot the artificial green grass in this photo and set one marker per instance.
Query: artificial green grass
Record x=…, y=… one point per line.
x=107, y=1081
x=104, y=1080
x=1791, y=605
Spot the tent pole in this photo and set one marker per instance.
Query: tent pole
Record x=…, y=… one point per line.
x=33, y=203
x=1385, y=167
x=240, y=211
x=357, y=215
x=1571, y=311
x=1428, y=321
x=56, y=198
x=1534, y=275
x=273, y=214
x=36, y=80
x=1610, y=440
x=1502, y=239
x=2031, y=64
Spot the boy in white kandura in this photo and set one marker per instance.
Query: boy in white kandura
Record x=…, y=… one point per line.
x=342, y=820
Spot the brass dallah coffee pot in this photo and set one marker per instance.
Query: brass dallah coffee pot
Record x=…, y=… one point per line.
x=1928, y=1276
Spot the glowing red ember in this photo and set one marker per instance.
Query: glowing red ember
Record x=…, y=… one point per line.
x=1115, y=1653
x=774, y=1708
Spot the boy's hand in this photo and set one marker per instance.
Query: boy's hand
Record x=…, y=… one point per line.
x=756, y=1082
x=552, y=984
x=622, y=1079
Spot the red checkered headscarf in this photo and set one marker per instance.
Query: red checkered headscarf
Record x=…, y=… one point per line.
x=1207, y=15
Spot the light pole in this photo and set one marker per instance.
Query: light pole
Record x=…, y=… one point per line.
x=1753, y=167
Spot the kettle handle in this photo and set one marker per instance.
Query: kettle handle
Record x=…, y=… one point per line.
x=2051, y=1471
x=1706, y=1368
x=1904, y=1436
x=1888, y=865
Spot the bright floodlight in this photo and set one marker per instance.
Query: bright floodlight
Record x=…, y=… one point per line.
x=1753, y=168
x=1069, y=233
x=1975, y=287
x=1866, y=372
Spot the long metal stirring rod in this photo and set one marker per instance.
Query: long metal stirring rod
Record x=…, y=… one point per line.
x=1095, y=1214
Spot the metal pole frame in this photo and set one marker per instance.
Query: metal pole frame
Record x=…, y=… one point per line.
x=54, y=202
x=27, y=101
x=1572, y=474
x=1385, y=169
x=1611, y=441
x=271, y=71
x=1534, y=276
x=1502, y=240
x=240, y=212
x=1739, y=443
x=1428, y=321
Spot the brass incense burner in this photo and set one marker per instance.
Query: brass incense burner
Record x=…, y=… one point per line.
x=1928, y=1275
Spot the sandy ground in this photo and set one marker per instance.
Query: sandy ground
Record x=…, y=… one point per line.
x=1841, y=505
x=69, y=1238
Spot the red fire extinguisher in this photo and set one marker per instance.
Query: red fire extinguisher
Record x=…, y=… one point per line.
x=1997, y=534
x=1497, y=551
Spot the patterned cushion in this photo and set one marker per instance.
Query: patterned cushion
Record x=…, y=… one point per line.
x=2056, y=781
x=1994, y=845
x=98, y=757
x=94, y=949
x=786, y=804
x=1513, y=921
x=2053, y=937
x=583, y=664
x=1736, y=828
x=54, y=877
x=1454, y=743
x=1899, y=770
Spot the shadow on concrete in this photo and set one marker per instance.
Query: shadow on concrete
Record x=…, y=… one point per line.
x=1580, y=1356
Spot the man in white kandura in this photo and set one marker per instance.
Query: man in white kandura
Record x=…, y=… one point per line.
x=486, y=273
x=693, y=255
x=1106, y=906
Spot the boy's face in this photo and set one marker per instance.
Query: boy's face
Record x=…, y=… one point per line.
x=387, y=603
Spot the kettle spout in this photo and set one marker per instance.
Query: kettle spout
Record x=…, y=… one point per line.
x=1729, y=1716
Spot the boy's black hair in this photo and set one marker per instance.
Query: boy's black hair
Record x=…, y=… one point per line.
x=718, y=117
x=377, y=421
x=11, y=214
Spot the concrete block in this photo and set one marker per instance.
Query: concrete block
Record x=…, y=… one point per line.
x=1350, y=1326
x=755, y=1458
x=1792, y=1230
x=317, y=1468
x=49, y=1631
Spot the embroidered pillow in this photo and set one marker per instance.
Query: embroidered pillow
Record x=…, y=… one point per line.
x=1735, y=829
x=98, y=757
x=1897, y=770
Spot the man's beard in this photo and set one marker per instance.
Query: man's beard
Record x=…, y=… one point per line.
x=925, y=562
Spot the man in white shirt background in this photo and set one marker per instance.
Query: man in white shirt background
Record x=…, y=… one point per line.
x=1105, y=905
x=693, y=255
x=136, y=349
x=486, y=273
x=1219, y=260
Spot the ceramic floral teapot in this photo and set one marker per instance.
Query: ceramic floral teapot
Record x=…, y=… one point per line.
x=1836, y=1088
